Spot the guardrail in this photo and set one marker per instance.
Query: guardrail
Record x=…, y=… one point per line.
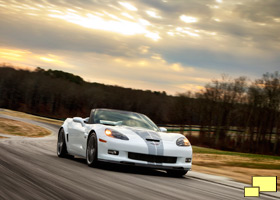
x=176, y=127
x=195, y=130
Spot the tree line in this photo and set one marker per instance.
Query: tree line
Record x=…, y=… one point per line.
x=59, y=95
x=233, y=114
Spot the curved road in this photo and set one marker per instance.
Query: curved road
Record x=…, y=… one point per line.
x=30, y=169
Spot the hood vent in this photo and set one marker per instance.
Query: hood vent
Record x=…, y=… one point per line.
x=152, y=140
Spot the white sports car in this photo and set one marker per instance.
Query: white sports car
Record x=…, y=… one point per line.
x=126, y=138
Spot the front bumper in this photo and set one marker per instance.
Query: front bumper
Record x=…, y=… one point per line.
x=124, y=147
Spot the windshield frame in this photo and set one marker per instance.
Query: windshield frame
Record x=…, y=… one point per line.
x=127, y=115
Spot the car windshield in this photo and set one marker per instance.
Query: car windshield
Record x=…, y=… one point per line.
x=115, y=117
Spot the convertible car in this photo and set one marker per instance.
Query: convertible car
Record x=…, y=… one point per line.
x=126, y=138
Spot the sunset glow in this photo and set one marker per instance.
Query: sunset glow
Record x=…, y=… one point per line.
x=51, y=59
x=171, y=46
x=11, y=54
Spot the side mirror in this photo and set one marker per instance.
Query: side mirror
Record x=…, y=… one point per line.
x=162, y=129
x=79, y=120
x=86, y=120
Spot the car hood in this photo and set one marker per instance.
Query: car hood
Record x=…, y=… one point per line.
x=146, y=133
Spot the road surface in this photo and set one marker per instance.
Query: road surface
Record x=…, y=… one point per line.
x=30, y=169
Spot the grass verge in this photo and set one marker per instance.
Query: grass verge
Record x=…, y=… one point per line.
x=238, y=166
x=18, y=128
x=204, y=150
x=29, y=116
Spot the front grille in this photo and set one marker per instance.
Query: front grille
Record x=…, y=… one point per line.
x=152, y=158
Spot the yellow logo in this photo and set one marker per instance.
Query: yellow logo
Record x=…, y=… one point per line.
x=261, y=184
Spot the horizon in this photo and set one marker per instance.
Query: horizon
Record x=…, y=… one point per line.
x=158, y=45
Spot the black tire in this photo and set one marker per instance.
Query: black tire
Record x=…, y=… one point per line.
x=92, y=160
x=61, y=145
x=176, y=173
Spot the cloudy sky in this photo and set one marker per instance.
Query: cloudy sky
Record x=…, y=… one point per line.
x=163, y=45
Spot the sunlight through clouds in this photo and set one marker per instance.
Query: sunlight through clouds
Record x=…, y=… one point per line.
x=177, y=67
x=51, y=59
x=127, y=15
x=153, y=14
x=121, y=26
x=170, y=33
x=144, y=22
x=188, y=19
x=187, y=31
x=128, y=6
x=153, y=36
x=153, y=43
x=144, y=49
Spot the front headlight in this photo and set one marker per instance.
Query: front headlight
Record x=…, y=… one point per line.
x=115, y=134
x=182, y=141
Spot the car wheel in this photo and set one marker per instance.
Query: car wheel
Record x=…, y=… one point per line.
x=61, y=145
x=92, y=150
x=176, y=173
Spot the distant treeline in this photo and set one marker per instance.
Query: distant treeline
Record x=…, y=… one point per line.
x=251, y=109
x=57, y=94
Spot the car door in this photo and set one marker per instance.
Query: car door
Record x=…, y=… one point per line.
x=76, y=138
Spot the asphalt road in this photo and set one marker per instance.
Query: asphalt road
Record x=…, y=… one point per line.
x=30, y=169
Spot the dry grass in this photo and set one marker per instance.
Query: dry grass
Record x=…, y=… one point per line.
x=239, y=168
x=2, y=137
x=29, y=116
x=12, y=127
